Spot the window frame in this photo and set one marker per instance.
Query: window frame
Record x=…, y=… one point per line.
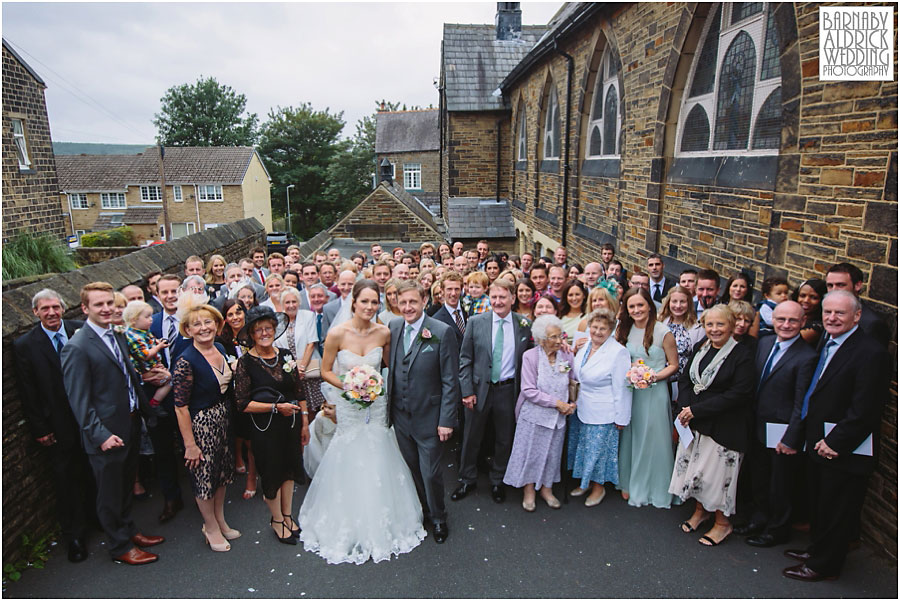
x=120, y=200
x=82, y=200
x=190, y=227
x=177, y=194
x=146, y=195
x=20, y=141
x=412, y=175
x=605, y=81
x=522, y=137
x=554, y=134
x=203, y=193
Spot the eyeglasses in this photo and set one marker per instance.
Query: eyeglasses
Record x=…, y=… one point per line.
x=264, y=330
x=555, y=338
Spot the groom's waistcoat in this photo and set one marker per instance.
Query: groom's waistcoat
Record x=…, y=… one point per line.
x=401, y=386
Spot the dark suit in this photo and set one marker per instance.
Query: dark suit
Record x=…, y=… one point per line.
x=667, y=284
x=850, y=393
x=47, y=411
x=874, y=326
x=441, y=314
x=98, y=395
x=773, y=475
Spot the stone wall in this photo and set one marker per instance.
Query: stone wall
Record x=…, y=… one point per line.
x=29, y=195
x=429, y=162
x=85, y=255
x=380, y=217
x=28, y=496
x=472, y=154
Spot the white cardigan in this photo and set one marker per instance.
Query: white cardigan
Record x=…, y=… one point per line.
x=604, y=396
x=304, y=333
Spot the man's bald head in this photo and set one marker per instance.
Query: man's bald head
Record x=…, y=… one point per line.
x=787, y=319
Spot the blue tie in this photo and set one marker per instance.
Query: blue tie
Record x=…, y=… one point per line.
x=319, y=333
x=59, y=342
x=132, y=398
x=768, y=366
x=815, y=379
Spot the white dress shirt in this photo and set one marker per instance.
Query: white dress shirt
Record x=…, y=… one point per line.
x=52, y=335
x=416, y=326
x=783, y=347
x=508, y=366
x=117, y=352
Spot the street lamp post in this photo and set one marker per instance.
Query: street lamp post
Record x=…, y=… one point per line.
x=288, y=192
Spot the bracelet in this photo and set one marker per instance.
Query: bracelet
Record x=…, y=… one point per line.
x=304, y=412
x=274, y=407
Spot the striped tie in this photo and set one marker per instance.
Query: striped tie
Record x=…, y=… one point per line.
x=132, y=399
x=460, y=322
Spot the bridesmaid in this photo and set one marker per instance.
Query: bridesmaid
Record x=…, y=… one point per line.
x=646, y=456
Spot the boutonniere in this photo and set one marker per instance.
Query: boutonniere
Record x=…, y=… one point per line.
x=425, y=335
x=289, y=366
x=118, y=329
x=76, y=331
x=564, y=367
x=523, y=322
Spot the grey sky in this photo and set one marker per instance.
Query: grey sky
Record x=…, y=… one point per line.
x=124, y=56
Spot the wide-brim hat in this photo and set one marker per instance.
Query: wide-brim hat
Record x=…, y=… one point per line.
x=257, y=314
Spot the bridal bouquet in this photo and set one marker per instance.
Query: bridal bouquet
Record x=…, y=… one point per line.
x=362, y=385
x=640, y=376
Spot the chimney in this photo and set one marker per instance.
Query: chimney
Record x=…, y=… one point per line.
x=509, y=21
x=386, y=172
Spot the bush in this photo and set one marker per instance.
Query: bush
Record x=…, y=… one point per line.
x=120, y=236
x=35, y=255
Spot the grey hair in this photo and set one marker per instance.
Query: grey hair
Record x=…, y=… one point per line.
x=542, y=324
x=240, y=286
x=47, y=294
x=602, y=315
x=318, y=285
x=231, y=266
x=857, y=305
x=290, y=290
x=187, y=281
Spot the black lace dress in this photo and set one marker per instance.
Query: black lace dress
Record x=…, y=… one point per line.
x=276, y=440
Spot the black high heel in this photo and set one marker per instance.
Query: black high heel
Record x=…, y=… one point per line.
x=295, y=532
x=287, y=540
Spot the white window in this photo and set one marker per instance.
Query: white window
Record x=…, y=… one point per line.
x=210, y=226
x=412, y=176
x=732, y=103
x=551, y=126
x=606, y=120
x=112, y=200
x=151, y=194
x=176, y=194
x=78, y=200
x=209, y=193
x=21, y=144
x=80, y=233
x=521, y=147
x=180, y=230
x=116, y=219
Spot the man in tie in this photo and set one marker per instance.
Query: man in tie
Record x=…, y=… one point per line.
x=707, y=290
x=841, y=408
x=784, y=367
x=50, y=419
x=490, y=387
x=260, y=273
x=105, y=396
x=451, y=312
x=659, y=283
x=846, y=276
x=332, y=308
x=318, y=296
x=483, y=251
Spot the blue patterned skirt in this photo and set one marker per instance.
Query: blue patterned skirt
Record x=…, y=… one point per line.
x=593, y=454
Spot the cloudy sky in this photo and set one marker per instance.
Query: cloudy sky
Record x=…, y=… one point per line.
x=107, y=65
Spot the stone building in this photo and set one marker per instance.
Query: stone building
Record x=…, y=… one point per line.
x=410, y=141
x=205, y=187
x=30, y=189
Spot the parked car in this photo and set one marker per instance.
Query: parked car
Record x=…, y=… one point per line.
x=278, y=242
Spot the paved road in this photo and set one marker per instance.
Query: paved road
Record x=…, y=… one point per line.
x=612, y=550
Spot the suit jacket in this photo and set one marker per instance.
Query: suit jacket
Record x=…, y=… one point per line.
x=304, y=299
x=784, y=387
x=431, y=370
x=442, y=314
x=154, y=304
x=175, y=350
x=98, y=391
x=668, y=284
x=256, y=276
x=851, y=393
x=329, y=312
x=874, y=326
x=475, y=376
x=40, y=379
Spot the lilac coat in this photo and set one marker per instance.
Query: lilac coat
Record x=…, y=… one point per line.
x=547, y=415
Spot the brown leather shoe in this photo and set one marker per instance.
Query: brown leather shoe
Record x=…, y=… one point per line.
x=170, y=509
x=136, y=557
x=142, y=540
x=801, y=572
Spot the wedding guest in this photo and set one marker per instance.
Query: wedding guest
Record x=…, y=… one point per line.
x=678, y=315
x=275, y=263
x=457, y=249
x=604, y=408
x=541, y=411
x=607, y=253
x=707, y=290
x=538, y=275
x=557, y=279
x=810, y=294
x=398, y=253
x=593, y=272
x=391, y=310
x=119, y=304
x=246, y=295
x=560, y=255
x=600, y=298
x=291, y=279
x=545, y=305
x=443, y=248
x=301, y=340
x=215, y=275
x=144, y=348
x=149, y=285
x=260, y=272
x=437, y=295
x=451, y=311
x=492, y=267
x=202, y=382
x=572, y=308
x=645, y=455
x=525, y=294
x=510, y=275
x=775, y=289
x=575, y=271
x=659, y=283
x=849, y=277
x=688, y=280
x=744, y=314
x=715, y=399
x=280, y=417
x=737, y=288
x=483, y=251
x=274, y=287
x=527, y=261
x=193, y=265
x=476, y=300
x=514, y=262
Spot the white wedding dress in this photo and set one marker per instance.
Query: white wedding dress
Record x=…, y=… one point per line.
x=362, y=502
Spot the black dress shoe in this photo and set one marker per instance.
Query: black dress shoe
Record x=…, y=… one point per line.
x=766, y=540
x=498, y=493
x=801, y=572
x=461, y=492
x=170, y=509
x=440, y=532
x=751, y=529
x=797, y=554
x=77, y=550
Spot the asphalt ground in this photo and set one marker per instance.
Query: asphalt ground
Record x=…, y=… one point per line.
x=494, y=551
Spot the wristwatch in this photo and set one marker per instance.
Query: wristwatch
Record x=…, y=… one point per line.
x=274, y=407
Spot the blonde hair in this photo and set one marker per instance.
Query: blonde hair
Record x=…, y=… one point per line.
x=477, y=277
x=119, y=299
x=133, y=310
x=193, y=310
x=611, y=301
x=690, y=316
x=724, y=310
x=742, y=308
x=94, y=287
x=210, y=278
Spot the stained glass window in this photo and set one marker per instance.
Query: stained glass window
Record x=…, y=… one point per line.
x=611, y=108
x=771, y=62
x=605, y=117
x=705, y=74
x=696, y=130
x=743, y=10
x=735, y=95
x=767, y=132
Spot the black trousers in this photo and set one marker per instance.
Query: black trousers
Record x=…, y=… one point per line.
x=76, y=492
x=500, y=406
x=114, y=472
x=163, y=436
x=773, y=479
x=424, y=454
x=837, y=501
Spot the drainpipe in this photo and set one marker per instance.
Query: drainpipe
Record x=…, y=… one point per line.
x=570, y=71
x=499, y=147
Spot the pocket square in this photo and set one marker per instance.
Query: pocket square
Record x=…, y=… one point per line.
x=428, y=349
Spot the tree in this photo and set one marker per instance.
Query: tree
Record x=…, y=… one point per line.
x=297, y=145
x=206, y=113
x=350, y=171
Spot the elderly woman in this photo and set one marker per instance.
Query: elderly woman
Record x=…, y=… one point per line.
x=391, y=310
x=541, y=412
x=715, y=400
x=300, y=340
x=267, y=387
x=274, y=285
x=202, y=383
x=604, y=408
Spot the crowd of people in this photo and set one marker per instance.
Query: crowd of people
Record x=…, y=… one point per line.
x=760, y=408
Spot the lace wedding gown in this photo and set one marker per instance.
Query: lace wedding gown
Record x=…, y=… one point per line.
x=362, y=502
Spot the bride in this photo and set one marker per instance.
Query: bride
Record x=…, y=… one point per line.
x=362, y=502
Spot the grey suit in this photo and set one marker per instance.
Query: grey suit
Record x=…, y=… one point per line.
x=423, y=394
x=304, y=299
x=329, y=312
x=492, y=400
x=98, y=394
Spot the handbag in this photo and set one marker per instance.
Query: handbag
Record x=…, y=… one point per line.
x=314, y=369
x=574, y=388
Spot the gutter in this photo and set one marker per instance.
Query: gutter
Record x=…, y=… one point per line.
x=570, y=72
x=499, y=147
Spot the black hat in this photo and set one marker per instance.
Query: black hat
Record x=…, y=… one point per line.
x=260, y=313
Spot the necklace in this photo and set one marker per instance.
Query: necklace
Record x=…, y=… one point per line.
x=266, y=361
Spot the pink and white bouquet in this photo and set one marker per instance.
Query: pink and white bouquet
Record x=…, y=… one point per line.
x=640, y=376
x=362, y=385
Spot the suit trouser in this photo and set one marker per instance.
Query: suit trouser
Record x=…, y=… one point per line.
x=114, y=472
x=773, y=481
x=75, y=489
x=424, y=454
x=162, y=435
x=500, y=405
x=837, y=498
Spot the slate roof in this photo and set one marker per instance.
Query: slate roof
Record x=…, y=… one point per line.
x=129, y=216
x=183, y=165
x=407, y=131
x=475, y=62
x=480, y=218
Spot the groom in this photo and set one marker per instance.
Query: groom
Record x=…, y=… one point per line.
x=423, y=394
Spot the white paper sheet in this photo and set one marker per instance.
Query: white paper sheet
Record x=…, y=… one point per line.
x=684, y=433
x=578, y=336
x=774, y=434
x=863, y=449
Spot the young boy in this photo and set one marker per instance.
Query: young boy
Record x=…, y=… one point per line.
x=775, y=290
x=144, y=347
x=476, y=299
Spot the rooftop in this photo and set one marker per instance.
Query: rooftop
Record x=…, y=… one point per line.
x=480, y=218
x=407, y=131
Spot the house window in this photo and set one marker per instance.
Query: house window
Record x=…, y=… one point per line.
x=21, y=144
x=112, y=200
x=180, y=230
x=78, y=201
x=79, y=234
x=176, y=194
x=733, y=104
x=551, y=126
x=522, y=146
x=210, y=226
x=151, y=194
x=606, y=120
x=209, y=193
x=116, y=219
x=412, y=176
